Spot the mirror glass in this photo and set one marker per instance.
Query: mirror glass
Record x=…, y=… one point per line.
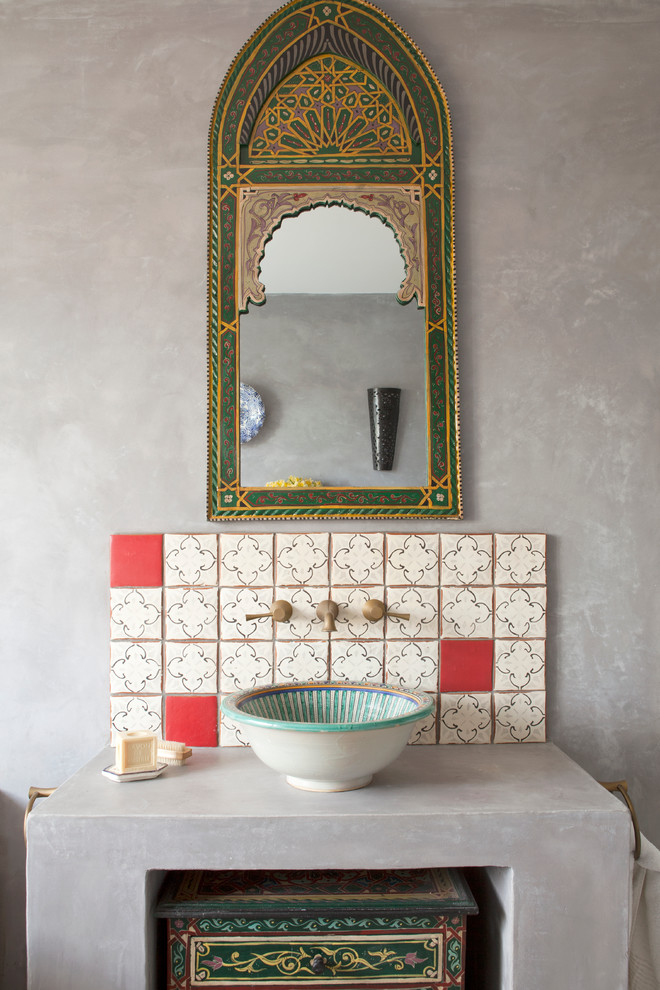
x=330, y=329
x=332, y=249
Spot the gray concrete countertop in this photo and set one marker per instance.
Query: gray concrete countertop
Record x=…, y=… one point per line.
x=450, y=781
x=553, y=844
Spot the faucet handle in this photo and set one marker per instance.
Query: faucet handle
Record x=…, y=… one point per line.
x=328, y=611
x=375, y=610
x=280, y=610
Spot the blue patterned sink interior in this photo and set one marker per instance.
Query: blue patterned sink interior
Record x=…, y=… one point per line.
x=316, y=706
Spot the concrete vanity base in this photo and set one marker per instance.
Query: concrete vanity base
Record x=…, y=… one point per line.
x=555, y=844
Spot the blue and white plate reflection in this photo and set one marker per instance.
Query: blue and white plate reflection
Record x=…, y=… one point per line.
x=252, y=413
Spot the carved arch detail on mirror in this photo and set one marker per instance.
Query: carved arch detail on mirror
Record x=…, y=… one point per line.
x=331, y=103
x=262, y=209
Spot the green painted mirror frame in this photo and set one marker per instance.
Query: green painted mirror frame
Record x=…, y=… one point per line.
x=331, y=103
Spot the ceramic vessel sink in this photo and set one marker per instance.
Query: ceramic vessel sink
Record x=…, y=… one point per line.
x=326, y=736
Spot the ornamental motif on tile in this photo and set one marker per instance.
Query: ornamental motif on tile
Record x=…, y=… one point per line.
x=520, y=559
x=467, y=612
x=520, y=717
x=301, y=662
x=356, y=661
x=135, y=668
x=191, y=613
x=246, y=559
x=191, y=668
x=465, y=718
x=236, y=603
x=350, y=620
x=357, y=558
x=136, y=714
x=136, y=613
x=302, y=558
x=422, y=606
x=304, y=622
x=191, y=559
x=467, y=559
x=520, y=613
x=519, y=665
x=425, y=732
x=412, y=665
x=412, y=559
x=245, y=665
x=231, y=733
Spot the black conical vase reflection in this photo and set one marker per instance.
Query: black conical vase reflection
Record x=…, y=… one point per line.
x=383, y=419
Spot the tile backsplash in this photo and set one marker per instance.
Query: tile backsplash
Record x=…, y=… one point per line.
x=474, y=639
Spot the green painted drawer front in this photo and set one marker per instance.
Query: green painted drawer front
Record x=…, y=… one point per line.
x=229, y=961
x=316, y=928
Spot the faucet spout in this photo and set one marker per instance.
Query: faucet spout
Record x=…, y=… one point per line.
x=328, y=611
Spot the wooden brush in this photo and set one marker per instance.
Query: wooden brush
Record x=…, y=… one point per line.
x=173, y=752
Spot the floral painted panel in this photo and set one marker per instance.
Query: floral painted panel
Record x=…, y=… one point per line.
x=366, y=928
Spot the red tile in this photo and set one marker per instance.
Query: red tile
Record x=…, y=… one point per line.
x=136, y=561
x=466, y=665
x=192, y=719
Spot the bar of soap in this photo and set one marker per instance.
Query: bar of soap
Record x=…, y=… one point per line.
x=135, y=752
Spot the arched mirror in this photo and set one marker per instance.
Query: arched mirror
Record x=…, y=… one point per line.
x=330, y=114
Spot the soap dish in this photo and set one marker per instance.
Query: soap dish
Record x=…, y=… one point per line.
x=128, y=775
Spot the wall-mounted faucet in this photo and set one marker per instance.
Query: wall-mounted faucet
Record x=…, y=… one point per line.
x=374, y=610
x=280, y=610
x=328, y=611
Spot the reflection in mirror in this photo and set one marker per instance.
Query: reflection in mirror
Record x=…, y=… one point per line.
x=313, y=351
x=332, y=249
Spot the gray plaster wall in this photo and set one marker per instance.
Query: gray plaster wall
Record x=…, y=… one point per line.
x=312, y=359
x=104, y=117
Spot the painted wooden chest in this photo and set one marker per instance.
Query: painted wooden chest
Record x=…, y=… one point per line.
x=346, y=928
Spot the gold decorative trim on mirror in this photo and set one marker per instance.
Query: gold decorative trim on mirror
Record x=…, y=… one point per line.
x=331, y=103
x=289, y=124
